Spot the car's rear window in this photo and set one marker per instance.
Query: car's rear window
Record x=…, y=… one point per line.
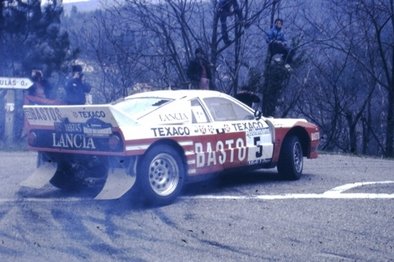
x=138, y=107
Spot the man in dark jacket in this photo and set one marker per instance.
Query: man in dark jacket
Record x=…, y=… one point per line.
x=76, y=89
x=199, y=71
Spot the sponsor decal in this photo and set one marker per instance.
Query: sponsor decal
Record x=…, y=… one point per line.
x=92, y=135
x=171, y=117
x=220, y=152
x=92, y=127
x=220, y=131
x=72, y=141
x=202, y=129
x=258, y=161
x=206, y=129
x=91, y=114
x=171, y=131
x=97, y=127
x=72, y=127
x=51, y=114
x=226, y=128
x=248, y=126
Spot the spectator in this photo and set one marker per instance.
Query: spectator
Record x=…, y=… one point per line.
x=199, y=71
x=227, y=8
x=277, y=43
x=40, y=92
x=76, y=89
x=247, y=97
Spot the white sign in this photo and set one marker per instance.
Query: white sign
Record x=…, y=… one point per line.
x=15, y=83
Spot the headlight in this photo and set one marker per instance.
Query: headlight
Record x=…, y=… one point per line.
x=315, y=136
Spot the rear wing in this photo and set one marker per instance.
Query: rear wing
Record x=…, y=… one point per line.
x=45, y=116
x=75, y=128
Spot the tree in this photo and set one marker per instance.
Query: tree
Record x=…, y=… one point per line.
x=370, y=46
x=352, y=63
x=277, y=77
x=31, y=38
x=171, y=30
x=342, y=76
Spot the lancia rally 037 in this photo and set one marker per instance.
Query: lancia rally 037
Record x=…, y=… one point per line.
x=159, y=140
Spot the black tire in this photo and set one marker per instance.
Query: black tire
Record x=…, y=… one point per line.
x=291, y=160
x=65, y=178
x=62, y=178
x=161, y=175
x=76, y=175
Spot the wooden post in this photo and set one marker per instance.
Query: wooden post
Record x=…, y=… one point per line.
x=9, y=116
x=12, y=106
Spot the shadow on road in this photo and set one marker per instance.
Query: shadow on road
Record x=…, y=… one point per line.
x=222, y=183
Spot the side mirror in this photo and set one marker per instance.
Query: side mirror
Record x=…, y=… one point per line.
x=257, y=114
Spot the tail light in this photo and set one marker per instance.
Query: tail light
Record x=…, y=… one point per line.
x=32, y=138
x=114, y=142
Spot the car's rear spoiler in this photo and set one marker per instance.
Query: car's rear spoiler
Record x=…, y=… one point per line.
x=45, y=116
x=98, y=122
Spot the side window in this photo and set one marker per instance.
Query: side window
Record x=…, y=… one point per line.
x=198, y=113
x=223, y=109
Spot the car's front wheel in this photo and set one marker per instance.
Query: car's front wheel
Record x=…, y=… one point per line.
x=161, y=175
x=291, y=161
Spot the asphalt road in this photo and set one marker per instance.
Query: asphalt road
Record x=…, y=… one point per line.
x=332, y=213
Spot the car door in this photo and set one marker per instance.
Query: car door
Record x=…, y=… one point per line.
x=246, y=140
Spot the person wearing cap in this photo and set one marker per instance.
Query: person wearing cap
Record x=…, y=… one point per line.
x=199, y=71
x=76, y=89
x=277, y=43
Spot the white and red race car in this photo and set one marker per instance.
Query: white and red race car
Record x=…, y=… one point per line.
x=159, y=140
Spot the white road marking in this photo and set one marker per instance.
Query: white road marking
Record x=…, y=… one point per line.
x=334, y=193
x=295, y=196
x=346, y=187
x=40, y=199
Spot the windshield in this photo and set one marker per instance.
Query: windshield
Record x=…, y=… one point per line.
x=138, y=107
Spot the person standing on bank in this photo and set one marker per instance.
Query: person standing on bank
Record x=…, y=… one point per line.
x=199, y=71
x=76, y=89
x=225, y=9
x=277, y=43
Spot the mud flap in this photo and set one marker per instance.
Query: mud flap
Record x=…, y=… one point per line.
x=118, y=182
x=41, y=175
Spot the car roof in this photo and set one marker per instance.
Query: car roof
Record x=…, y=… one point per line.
x=179, y=94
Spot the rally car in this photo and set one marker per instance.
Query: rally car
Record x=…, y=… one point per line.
x=159, y=140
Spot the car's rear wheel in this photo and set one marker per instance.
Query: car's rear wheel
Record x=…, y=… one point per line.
x=161, y=175
x=65, y=178
x=73, y=175
x=291, y=161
